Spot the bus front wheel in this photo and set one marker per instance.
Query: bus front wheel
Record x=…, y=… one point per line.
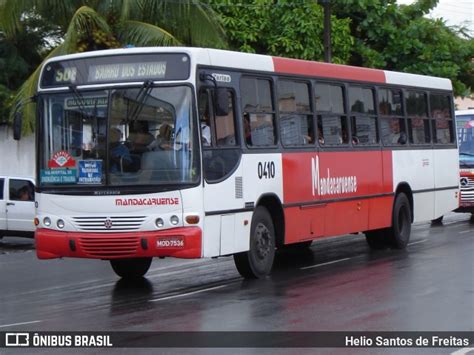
x=131, y=268
x=258, y=261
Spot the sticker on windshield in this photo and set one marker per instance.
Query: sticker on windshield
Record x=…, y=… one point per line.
x=61, y=159
x=90, y=172
x=58, y=176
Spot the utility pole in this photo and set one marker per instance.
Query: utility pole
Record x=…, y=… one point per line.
x=327, y=29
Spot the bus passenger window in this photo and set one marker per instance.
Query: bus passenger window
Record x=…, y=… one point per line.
x=442, y=122
x=331, y=118
x=363, y=119
x=259, y=115
x=392, y=122
x=418, y=122
x=296, y=119
x=204, y=118
x=225, y=126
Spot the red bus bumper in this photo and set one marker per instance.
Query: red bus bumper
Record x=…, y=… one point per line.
x=183, y=242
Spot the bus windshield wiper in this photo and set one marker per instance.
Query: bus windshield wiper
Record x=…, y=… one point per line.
x=80, y=99
x=465, y=153
x=140, y=99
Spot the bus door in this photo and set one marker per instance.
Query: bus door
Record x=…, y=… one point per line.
x=222, y=174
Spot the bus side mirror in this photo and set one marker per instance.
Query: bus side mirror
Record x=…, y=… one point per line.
x=222, y=102
x=17, y=124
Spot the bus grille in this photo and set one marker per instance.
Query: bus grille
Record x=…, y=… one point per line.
x=108, y=224
x=467, y=191
x=109, y=247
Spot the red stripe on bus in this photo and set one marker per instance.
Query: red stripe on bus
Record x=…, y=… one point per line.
x=327, y=70
x=333, y=193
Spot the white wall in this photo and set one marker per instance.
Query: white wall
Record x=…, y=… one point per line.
x=17, y=158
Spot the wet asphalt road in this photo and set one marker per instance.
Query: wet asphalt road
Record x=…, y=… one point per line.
x=338, y=284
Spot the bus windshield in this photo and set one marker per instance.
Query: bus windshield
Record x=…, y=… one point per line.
x=465, y=126
x=133, y=136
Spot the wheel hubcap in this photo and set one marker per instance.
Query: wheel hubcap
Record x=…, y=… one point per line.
x=263, y=242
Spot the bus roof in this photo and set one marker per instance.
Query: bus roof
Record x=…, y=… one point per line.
x=266, y=63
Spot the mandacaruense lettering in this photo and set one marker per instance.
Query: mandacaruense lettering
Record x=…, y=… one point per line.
x=331, y=185
x=152, y=201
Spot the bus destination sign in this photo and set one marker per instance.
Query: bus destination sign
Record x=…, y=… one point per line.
x=116, y=68
x=121, y=71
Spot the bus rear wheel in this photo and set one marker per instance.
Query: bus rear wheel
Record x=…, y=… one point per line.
x=258, y=261
x=399, y=233
x=131, y=268
x=376, y=239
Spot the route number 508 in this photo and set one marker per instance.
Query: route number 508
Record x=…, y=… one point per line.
x=266, y=170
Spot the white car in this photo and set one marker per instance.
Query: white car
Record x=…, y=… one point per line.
x=17, y=206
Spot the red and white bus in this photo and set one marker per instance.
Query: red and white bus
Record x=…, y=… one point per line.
x=465, y=131
x=192, y=152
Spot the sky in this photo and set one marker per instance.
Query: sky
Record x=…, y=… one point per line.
x=454, y=12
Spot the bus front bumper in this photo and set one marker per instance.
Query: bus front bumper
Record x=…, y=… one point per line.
x=185, y=242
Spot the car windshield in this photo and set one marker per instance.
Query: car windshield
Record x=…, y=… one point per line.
x=134, y=136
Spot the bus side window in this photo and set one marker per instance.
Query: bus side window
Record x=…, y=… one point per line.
x=392, y=121
x=296, y=118
x=258, y=112
x=225, y=126
x=216, y=131
x=363, y=119
x=332, y=119
x=442, y=122
x=418, y=122
x=204, y=118
x=218, y=137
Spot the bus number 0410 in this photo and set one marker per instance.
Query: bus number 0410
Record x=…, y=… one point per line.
x=266, y=170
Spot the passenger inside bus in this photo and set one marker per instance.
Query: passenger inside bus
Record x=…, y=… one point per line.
x=140, y=137
x=247, y=129
x=163, y=139
x=120, y=158
x=205, y=129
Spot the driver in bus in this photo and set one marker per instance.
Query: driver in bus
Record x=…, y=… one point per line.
x=120, y=157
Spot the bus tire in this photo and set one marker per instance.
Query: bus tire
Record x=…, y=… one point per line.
x=399, y=233
x=258, y=261
x=131, y=268
x=376, y=239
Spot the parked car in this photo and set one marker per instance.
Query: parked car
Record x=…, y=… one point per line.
x=17, y=206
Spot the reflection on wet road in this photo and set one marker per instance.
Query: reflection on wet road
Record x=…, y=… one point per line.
x=337, y=284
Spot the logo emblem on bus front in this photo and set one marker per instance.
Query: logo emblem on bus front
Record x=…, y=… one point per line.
x=108, y=223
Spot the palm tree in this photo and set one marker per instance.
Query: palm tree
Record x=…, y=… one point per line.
x=101, y=24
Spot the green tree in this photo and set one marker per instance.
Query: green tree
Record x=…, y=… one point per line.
x=401, y=38
x=283, y=28
x=369, y=33
x=19, y=56
x=100, y=24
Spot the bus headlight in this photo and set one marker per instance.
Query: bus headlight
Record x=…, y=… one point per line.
x=47, y=221
x=174, y=220
x=159, y=222
x=60, y=223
